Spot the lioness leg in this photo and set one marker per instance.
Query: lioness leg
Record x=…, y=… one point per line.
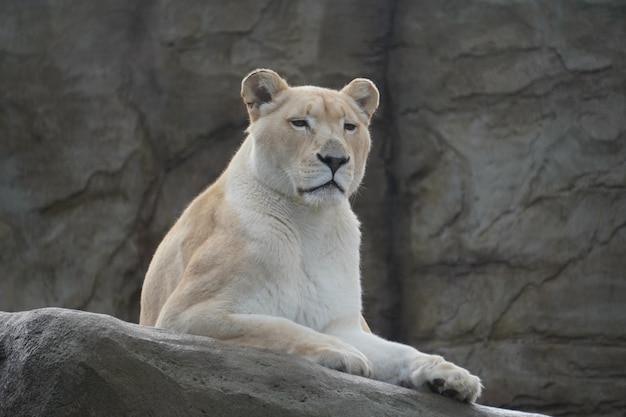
x=270, y=332
x=403, y=365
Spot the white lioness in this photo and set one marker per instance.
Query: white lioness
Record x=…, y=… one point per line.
x=268, y=256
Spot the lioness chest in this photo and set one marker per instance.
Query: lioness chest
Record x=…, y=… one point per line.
x=304, y=266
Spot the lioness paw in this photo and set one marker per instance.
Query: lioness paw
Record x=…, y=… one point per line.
x=348, y=360
x=446, y=378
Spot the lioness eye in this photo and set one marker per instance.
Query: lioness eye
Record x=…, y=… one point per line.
x=350, y=127
x=299, y=123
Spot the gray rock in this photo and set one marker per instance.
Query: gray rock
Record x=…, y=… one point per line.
x=510, y=161
x=60, y=362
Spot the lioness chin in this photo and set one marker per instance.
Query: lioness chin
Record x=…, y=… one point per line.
x=268, y=256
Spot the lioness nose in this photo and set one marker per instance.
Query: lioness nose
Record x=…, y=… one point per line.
x=333, y=162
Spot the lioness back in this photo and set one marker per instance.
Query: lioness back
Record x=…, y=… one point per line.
x=195, y=226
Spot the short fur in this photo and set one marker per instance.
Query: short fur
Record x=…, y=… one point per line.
x=268, y=256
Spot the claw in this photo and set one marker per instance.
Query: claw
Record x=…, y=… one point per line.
x=450, y=393
x=435, y=385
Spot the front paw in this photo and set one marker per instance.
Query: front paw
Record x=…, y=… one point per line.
x=341, y=357
x=447, y=379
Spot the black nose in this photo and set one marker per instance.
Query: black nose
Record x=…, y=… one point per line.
x=333, y=162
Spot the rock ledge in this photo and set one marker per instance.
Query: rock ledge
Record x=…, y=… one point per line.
x=60, y=362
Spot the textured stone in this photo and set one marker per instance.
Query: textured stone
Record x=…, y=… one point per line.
x=510, y=160
x=493, y=209
x=59, y=362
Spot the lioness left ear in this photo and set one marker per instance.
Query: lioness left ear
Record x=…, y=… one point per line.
x=365, y=93
x=259, y=87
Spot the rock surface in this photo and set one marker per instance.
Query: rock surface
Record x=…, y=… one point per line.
x=510, y=226
x=494, y=206
x=59, y=362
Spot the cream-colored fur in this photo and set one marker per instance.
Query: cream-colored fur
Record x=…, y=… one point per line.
x=268, y=256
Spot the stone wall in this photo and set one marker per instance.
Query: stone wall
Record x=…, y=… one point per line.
x=509, y=156
x=495, y=200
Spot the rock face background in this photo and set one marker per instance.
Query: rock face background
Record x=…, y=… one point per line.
x=494, y=208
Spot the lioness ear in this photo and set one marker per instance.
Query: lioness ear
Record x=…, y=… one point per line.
x=259, y=87
x=365, y=93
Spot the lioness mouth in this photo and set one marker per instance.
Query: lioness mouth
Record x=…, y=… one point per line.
x=330, y=183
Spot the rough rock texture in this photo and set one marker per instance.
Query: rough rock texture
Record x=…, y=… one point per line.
x=494, y=207
x=510, y=226
x=59, y=362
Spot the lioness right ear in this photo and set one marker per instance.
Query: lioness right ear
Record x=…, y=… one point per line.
x=259, y=87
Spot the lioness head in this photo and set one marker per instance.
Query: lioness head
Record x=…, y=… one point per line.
x=309, y=143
